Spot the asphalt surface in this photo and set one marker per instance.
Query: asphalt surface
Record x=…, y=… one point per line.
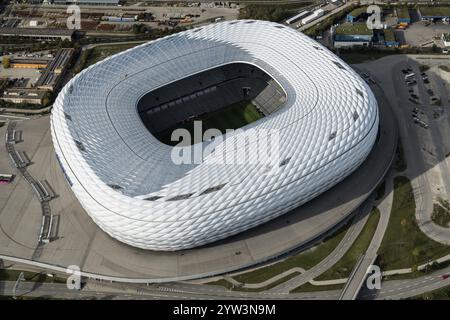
x=356, y=282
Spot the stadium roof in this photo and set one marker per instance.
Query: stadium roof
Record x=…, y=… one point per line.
x=127, y=180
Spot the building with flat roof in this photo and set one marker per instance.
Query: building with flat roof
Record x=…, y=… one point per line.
x=433, y=13
x=446, y=39
x=87, y=2
x=403, y=15
x=23, y=95
x=28, y=63
x=389, y=38
x=357, y=14
x=38, y=33
x=52, y=76
x=349, y=35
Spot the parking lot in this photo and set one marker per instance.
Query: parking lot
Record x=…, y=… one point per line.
x=425, y=34
x=31, y=74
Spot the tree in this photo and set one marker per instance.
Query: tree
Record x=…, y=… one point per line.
x=47, y=99
x=435, y=48
x=6, y=62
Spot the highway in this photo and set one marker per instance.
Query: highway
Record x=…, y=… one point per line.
x=401, y=289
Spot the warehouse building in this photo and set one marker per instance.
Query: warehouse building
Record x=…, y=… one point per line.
x=432, y=13
x=23, y=95
x=38, y=33
x=87, y=2
x=349, y=35
x=52, y=76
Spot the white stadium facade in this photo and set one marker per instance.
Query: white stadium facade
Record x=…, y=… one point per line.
x=324, y=114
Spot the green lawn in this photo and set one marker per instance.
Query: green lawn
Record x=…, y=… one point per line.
x=90, y=56
x=308, y=287
x=231, y=117
x=228, y=285
x=404, y=245
x=345, y=265
x=440, y=294
x=355, y=56
x=305, y=259
x=353, y=29
x=12, y=275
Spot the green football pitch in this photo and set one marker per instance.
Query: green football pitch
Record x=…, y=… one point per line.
x=231, y=117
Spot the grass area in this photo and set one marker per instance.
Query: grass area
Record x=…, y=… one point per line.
x=222, y=283
x=424, y=67
x=404, y=245
x=308, y=287
x=344, y=266
x=435, y=11
x=94, y=55
x=101, y=52
x=305, y=259
x=325, y=24
x=439, y=294
x=399, y=162
x=229, y=286
x=231, y=117
x=441, y=213
x=381, y=189
x=13, y=275
x=419, y=273
x=353, y=29
x=444, y=68
x=358, y=11
x=355, y=56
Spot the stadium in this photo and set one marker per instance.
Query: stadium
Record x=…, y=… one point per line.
x=111, y=128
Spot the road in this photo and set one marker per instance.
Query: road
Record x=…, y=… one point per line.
x=352, y=233
x=417, y=167
x=355, y=283
x=331, y=13
x=401, y=289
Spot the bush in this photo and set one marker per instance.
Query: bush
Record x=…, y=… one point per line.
x=264, y=12
x=6, y=62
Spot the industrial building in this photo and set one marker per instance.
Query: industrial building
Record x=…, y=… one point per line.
x=130, y=184
x=23, y=95
x=349, y=35
x=389, y=38
x=432, y=13
x=403, y=16
x=357, y=14
x=38, y=33
x=29, y=63
x=446, y=39
x=52, y=76
x=86, y=2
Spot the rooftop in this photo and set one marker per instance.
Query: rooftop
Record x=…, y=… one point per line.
x=36, y=31
x=358, y=11
x=353, y=29
x=389, y=35
x=402, y=13
x=435, y=11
